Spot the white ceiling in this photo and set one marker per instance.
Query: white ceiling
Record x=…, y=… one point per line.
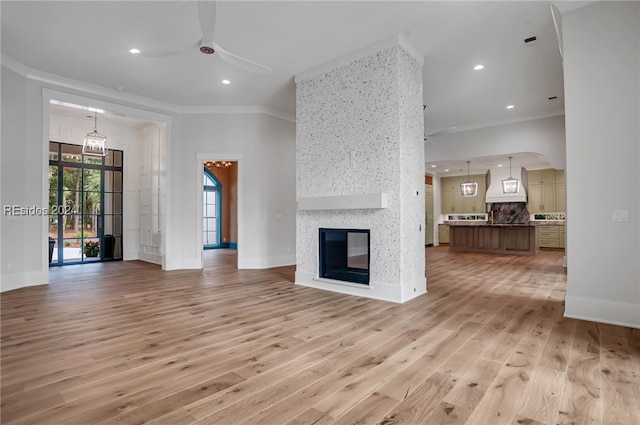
x=89, y=41
x=480, y=165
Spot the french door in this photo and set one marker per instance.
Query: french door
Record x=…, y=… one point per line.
x=211, y=211
x=85, y=205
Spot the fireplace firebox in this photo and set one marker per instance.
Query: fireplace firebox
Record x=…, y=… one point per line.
x=344, y=255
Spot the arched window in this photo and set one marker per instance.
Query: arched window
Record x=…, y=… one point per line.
x=211, y=210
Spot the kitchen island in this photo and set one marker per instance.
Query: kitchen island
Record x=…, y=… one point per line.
x=511, y=239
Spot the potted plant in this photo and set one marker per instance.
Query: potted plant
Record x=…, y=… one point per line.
x=91, y=248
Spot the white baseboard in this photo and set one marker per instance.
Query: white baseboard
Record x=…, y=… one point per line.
x=419, y=288
x=130, y=256
x=266, y=263
x=610, y=312
x=150, y=258
x=375, y=290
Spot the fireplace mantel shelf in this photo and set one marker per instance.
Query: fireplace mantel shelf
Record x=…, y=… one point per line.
x=344, y=202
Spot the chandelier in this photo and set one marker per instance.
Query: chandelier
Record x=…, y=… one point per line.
x=221, y=165
x=510, y=185
x=95, y=143
x=468, y=188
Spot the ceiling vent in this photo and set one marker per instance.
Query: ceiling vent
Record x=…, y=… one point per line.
x=530, y=41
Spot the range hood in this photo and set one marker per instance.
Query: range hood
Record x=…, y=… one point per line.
x=494, y=185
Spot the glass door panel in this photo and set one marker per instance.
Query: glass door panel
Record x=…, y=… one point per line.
x=117, y=181
x=117, y=203
x=71, y=250
x=210, y=213
x=71, y=153
x=78, y=199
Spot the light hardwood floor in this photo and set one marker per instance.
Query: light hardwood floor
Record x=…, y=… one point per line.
x=125, y=343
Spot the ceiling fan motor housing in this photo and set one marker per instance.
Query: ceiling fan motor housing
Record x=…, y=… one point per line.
x=207, y=50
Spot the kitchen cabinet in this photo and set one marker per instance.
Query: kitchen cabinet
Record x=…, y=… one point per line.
x=542, y=198
x=475, y=204
x=429, y=219
x=454, y=202
x=551, y=236
x=451, y=197
x=443, y=233
x=560, y=191
x=546, y=191
x=546, y=176
x=560, y=198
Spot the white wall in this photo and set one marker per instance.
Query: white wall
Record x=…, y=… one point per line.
x=134, y=142
x=544, y=136
x=16, y=270
x=266, y=185
x=150, y=246
x=602, y=92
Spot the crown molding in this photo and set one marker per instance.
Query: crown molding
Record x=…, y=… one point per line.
x=371, y=49
x=239, y=109
x=566, y=6
x=17, y=67
x=115, y=95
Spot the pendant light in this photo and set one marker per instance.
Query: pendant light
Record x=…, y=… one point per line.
x=468, y=188
x=95, y=143
x=510, y=185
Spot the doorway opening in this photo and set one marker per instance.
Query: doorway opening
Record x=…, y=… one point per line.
x=219, y=205
x=85, y=205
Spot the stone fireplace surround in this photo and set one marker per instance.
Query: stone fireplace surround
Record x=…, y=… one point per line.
x=360, y=165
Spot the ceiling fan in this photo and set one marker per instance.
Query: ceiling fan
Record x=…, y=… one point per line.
x=207, y=45
x=435, y=133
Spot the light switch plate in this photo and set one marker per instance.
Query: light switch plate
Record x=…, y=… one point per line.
x=620, y=216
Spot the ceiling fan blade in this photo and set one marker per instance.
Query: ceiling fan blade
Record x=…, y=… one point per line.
x=426, y=139
x=241, y=62
x=207, y=16
x=442, y=131
x=163, y=53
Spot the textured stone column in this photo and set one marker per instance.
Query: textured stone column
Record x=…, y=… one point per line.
x=360, y=131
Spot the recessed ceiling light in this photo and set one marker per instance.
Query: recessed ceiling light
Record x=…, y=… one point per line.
x=446, y=169
x=433, y=166
x=226, y=82
x=478, y=67
x=510, y=106
x=134, y=51
x=499, y=165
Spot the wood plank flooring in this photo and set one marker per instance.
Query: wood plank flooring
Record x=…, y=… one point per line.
x=125, y=343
